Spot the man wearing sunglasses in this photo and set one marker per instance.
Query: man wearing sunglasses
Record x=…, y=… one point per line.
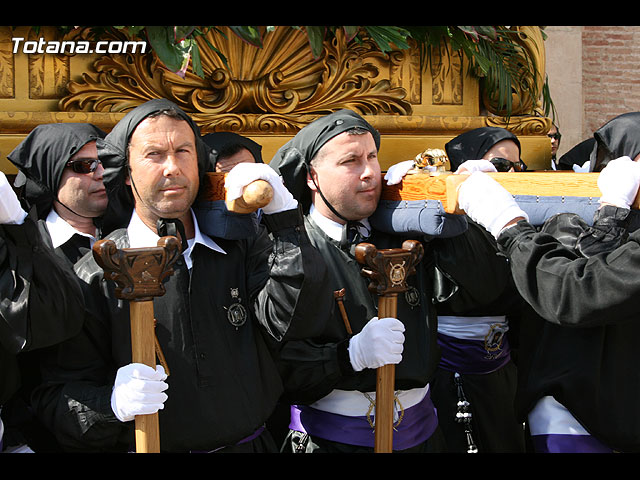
x=61, y=177
x=61, y=197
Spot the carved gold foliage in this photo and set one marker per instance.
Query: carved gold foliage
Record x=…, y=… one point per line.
x=48, y=73
x=7, y=65
x=446, y=73
x=259, y=89
x=527, y=125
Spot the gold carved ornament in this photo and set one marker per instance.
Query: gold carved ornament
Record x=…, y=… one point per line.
x=257, y=91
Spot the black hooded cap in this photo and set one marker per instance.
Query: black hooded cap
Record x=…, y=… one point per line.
x=472, y=145
x=219, y=142
x=41, y=158
x=113, y=153
x=618, y=137
x=292, y=160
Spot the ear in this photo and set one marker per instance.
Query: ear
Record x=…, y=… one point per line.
x=312, y=179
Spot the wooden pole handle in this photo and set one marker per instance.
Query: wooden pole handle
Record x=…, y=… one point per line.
x=143, y=351
x=256, y=195
x=385, y=387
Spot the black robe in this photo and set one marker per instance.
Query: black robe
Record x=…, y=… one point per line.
x=223, y=383
x=579, y=340
x=313, y=367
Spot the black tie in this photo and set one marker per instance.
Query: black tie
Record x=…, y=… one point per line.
x=172, y=227
x=76, y=247
x=352, y=233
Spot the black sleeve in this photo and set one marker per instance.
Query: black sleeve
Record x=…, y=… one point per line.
x=40, y=298
x=288, y=279
x=567, y=288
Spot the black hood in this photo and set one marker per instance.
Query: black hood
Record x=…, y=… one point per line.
x=218, y=142
x=113, y=153
x=616, y=138
x=472, y=145
x=291, y=161
x=41, y=158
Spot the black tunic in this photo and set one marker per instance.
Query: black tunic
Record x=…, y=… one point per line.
x=579, y=343
x=41, y=300
x=223, y=383
x=316, y=366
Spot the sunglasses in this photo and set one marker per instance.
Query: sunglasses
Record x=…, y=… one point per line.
x=504, y=165
x=85, y=165
x=555, y=136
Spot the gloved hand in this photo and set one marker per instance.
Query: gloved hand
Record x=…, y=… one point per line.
x=471, y=166
x=10, y=209
x=395, y=173
x=619, y=182
x=488, y=203
x=244, y=173
x=138, y=390
x=380, y=342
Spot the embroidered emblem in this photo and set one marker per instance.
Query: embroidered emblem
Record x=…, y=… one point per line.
x=493, y=341
x=412, y=296
x=236, y=313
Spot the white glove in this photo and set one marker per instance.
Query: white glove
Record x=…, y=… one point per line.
x=476, y=166
x=138, y=390
x=619, y=182
x=582, y=169
x=379, y=343
x=488, y=203
x=395, y=173
x=244, y=173
x=10, y=209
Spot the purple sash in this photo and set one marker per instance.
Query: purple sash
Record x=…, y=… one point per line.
x=561, y=443
x=471, y=356
x=417, y=425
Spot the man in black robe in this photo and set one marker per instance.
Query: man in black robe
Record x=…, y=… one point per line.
x=331, y=166
x=226, y=304
x=578, y=350
x=60, y=184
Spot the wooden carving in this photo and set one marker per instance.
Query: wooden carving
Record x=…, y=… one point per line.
x=388, y=270
x=139, y=274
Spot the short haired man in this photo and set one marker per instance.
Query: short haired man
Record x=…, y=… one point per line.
x=226, y=304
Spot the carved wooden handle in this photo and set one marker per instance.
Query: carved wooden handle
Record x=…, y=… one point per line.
x=387, y=269
x=256, y=195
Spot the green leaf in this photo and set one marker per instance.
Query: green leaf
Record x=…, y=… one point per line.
x=250, y=35
x=172, y=55
x=316, y=39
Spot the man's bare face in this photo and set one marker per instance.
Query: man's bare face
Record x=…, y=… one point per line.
x=164, y=168
x=348, y=174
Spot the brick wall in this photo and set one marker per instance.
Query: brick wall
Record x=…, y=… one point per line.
x=610, y=73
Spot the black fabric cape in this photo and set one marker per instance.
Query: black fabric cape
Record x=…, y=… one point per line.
x=42, y=156
x=41, y=302
x=292, y=160
x=472, y=145
x=578, y=340
x=618, y=137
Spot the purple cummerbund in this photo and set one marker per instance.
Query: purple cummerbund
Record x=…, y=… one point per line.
x=471, y=356
x=417, y=425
